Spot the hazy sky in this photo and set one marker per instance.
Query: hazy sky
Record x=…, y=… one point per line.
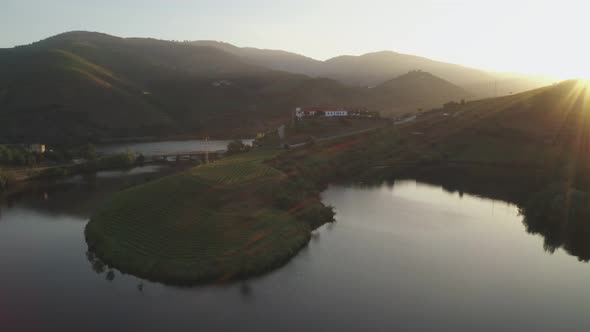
x=546, y=37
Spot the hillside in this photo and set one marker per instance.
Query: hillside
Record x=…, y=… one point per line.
x=271, y=59
x=90, y=84
x=223, y=221
x=85, y=85
x=376, y=68
x=554, y=117
x=407, y=93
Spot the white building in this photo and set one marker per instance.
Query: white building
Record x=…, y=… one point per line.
x=319, y=112
x=336, y=113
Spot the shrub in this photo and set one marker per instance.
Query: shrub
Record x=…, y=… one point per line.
x=316, y=215
x=119, y=160
x=236, y=146
x=140, y=159
x=16, y=155
x=3, y=182
x=88, y=152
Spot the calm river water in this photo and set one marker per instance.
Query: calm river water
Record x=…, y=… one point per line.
x=152, y=148
x=407, y=256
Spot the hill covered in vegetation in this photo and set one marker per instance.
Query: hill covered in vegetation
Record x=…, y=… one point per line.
x=231, y=219
x=372, y=69
x=84, y=85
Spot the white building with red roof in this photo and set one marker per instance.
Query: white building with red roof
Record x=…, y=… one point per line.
x=301, y=112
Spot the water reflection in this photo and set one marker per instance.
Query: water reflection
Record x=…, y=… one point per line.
x=97, y=264
x=244, y=288
x=246, y=291
x=79, y=195
x=151, y=148
x=568, y=231
x=100, y=268
x=572, y=235
x=110, y=276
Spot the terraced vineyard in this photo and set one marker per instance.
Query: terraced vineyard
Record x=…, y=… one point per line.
x=213, y=222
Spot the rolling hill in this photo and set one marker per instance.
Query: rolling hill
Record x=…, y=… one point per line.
x=271, y=59
x=376, y=68
x=516, y=145
x=553, y=117
x=372, y=69
x=406, y=93
x=86, y=85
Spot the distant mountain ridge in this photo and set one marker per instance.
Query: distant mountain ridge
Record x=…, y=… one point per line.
x=271, y=59
x=87, y=85
x=375, y=68
x=408, y=92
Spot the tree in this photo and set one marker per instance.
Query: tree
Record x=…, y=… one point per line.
x=3, y=181
x=88, y=152
x=236, y=146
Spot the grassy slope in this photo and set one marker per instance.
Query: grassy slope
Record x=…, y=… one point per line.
x=406, y=93
x=214, y=222
x=547, y=126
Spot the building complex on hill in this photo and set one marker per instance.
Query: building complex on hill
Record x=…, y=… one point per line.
x=326, y=112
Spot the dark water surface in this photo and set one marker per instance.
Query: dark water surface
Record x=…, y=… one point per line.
x=407, y=256
x=153, y=148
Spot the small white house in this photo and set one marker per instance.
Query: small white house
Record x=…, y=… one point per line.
x=299, y=113
x=336, y=113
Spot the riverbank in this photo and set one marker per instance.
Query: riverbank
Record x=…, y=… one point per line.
x=223, y=221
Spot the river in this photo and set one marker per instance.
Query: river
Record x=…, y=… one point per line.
x=401, y=256
x=153, y=148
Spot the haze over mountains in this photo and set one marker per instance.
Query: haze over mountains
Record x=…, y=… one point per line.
x=375, y=68
x=92, y=85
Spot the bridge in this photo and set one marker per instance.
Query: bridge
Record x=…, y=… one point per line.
x=185, y=156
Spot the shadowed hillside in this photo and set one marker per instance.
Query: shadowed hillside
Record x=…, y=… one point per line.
x=272, y=59
x=376, y=68
x=407, y=93
x=551, y=118
x=91, y=86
